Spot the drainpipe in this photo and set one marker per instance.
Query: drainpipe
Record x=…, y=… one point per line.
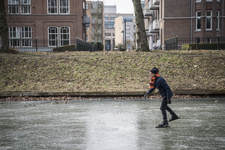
x=191, y=19
x=223, y=16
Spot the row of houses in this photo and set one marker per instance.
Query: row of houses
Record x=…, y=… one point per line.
x=60, y=22
x=188, y=19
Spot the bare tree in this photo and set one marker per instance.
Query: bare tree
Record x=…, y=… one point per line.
x=142, y=44
x=97, y=21
x=3, y=28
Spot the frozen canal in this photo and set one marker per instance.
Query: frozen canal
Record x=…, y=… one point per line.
x=111, y=125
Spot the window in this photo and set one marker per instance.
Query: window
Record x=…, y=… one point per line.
x=209, y=0
x=87, y=28
x=87, y=38
x=208, y=40
x=218, y=20
x=106, y=18
x=197, y=1
x=52, y=36
x=127, y=35
x=14, y=36
x=13, y=6
x=64, y=36
x=83, y=5
x=25, y=6
x=64, y=6
x=208, y=20
x=109, y=25
x=52, y=7
x=112, y=18
x=198, y=21
x=87, y=6
x=127, y=27
x=26, y=36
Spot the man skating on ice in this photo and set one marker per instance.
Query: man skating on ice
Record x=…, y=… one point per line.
x=158, y=82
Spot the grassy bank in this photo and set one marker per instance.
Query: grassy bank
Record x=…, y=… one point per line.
x=114, y=71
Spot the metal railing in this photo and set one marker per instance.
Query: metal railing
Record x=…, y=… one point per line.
x=46, y=45
x=85, y=46
x=211, y=43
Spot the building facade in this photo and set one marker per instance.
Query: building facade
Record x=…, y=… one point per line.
x=109, y=22
x=125, y=27
x=95, y=10
x=184, y=19
x=57, y=21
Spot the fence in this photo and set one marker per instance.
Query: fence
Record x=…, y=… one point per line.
x=46, y=45
x=85, y=46
x=211, y=43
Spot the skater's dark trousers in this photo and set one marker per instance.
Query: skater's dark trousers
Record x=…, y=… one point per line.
x=164, y=107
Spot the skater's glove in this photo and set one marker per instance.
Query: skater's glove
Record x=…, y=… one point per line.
x=146, y=94
x=168, y=101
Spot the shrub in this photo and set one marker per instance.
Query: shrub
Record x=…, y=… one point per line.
x=65, y=48
x=99, y=45
x=209, y=46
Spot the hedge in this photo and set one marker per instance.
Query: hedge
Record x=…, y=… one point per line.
x=99, y=45
x=210, y=46
x=65, y=48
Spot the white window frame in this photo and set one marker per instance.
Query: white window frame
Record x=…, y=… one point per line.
x=84, y=5
x=26, y=37
x=198, y=1
x=11, y=4
x=210, y=18
x=197, y=18
x=25, y=5
x=13, y=38
x=56, y=39
x=218, y=20
x=53, y=7
x=68, y=2
x=61, y=35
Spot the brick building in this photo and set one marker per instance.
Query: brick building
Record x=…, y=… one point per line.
x=95, y=10
x=183, y=18
x=51, y=20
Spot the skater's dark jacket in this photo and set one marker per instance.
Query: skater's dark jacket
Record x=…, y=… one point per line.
x=163, y=88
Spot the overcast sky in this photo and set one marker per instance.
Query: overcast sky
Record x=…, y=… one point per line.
x=123, y=6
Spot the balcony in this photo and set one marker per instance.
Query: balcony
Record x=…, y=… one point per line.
x=156, y=2
x=86, y=20
x=154, y=27
x=147, y=13
x=152, y=6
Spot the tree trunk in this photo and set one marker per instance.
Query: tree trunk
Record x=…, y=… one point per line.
x=3, y=28
x=142, y=44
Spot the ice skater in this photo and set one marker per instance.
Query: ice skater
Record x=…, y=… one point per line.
x=160, y=83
